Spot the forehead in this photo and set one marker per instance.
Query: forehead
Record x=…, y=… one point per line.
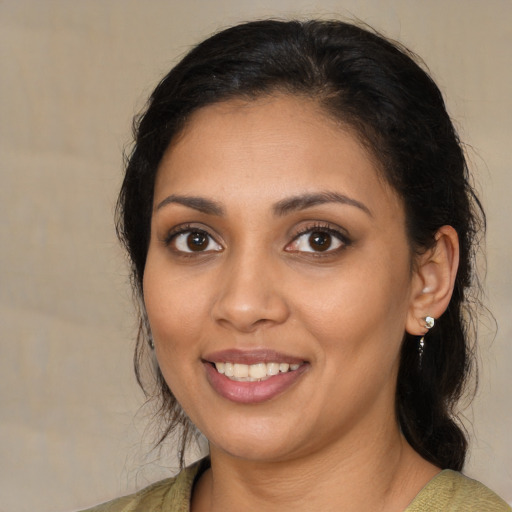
x=264, y=148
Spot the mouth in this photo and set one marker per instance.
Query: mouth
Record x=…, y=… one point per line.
x=257, y=372
x=253, y=376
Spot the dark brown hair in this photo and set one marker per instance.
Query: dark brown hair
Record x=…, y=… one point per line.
x=376, y=88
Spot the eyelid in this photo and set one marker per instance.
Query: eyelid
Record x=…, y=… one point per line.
x=333, y=230
x=182, y=229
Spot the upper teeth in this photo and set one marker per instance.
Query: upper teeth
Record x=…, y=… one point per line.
x=253, y=372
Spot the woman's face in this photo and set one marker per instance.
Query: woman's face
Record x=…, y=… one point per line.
x=278, y=280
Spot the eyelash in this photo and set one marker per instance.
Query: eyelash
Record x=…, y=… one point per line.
x=318, y=227
x=324, y=228
x=181, y=230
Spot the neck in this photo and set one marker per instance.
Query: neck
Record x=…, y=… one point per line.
x=337, y=478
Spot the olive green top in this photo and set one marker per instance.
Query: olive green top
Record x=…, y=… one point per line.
x=448, y=491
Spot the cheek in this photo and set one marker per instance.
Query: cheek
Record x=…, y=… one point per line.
x=362, y=304
x=175, y=314
x=174, y=306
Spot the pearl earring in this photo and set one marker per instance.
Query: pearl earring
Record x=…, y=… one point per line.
x=429, y=323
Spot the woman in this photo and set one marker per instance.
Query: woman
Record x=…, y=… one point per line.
x=302, y=230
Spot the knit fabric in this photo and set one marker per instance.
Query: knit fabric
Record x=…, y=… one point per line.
x=448, y=491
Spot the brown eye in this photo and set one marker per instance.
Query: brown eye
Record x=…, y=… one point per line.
x=194, y=241
x=320, y=240
x=197, y=241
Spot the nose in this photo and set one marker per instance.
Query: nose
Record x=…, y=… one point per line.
x=250, y=295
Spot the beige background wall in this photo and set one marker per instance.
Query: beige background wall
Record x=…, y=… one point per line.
x=72, y=73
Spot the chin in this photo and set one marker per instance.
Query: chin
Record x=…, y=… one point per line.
x=256, y=444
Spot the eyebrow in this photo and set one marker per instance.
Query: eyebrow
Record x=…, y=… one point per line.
x=304, y=201
x=281, y=208
x=201, y=204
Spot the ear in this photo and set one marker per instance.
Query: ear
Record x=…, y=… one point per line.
x=433, y=280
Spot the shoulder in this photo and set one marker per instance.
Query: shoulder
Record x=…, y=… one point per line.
x=169, y=495
x=450, y=491
x=149, y=498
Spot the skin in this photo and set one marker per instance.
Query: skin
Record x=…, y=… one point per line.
x=258, y=283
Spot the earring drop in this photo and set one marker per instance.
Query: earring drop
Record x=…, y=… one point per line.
x=429, y=323
x=151, y=343
x=421, y=348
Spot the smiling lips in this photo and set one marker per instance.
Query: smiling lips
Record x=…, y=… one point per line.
x=254, y=372
x=252, y=377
